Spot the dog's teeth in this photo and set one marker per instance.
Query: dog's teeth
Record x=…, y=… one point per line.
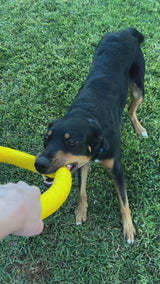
x=69, y=167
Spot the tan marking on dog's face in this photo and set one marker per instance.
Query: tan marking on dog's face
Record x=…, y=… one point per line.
x=70, y=159
x=108, y=163
x=90, y=149
x=49, y=133
x=67, y=135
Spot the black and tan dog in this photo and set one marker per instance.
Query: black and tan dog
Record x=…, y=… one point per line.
x=90, y=129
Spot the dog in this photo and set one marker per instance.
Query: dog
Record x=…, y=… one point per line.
x=90, y=129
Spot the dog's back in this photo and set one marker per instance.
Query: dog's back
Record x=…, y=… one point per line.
x=115, y=53
x=118, y=60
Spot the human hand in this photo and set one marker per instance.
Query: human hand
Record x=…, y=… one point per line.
x=20, y=210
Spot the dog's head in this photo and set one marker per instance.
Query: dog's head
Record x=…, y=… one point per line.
x=70, y=142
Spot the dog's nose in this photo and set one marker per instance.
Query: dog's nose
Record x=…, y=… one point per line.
x=42, y=164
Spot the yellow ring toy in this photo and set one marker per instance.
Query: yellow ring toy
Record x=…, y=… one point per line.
x=56, y=195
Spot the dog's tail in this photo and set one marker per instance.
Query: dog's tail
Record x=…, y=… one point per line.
x=136, y=34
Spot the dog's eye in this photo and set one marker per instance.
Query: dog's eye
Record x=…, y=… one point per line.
x=45, y=141
x=71, y=141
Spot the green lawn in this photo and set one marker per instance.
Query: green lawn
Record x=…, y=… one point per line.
x=46, y=48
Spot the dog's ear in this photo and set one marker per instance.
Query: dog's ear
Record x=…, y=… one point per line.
x=96, y=140
x=52, y=123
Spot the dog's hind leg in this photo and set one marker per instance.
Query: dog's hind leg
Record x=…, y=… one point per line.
x=136, y=86
x=136, y=96
x=81, y=210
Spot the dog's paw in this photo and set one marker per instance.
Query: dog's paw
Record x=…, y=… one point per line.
x=129, y=233
x=144, y=134
x=81, y=214
x=141, y=130
x=78, y=223
x=130, y=241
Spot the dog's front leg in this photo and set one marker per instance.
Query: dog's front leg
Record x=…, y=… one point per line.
x=81, y=210
x=128, y=227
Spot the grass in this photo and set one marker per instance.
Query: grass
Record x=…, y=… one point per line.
x=46, y=48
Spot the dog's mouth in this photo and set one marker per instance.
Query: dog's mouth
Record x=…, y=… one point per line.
x=71, y=167
x=48, y=181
